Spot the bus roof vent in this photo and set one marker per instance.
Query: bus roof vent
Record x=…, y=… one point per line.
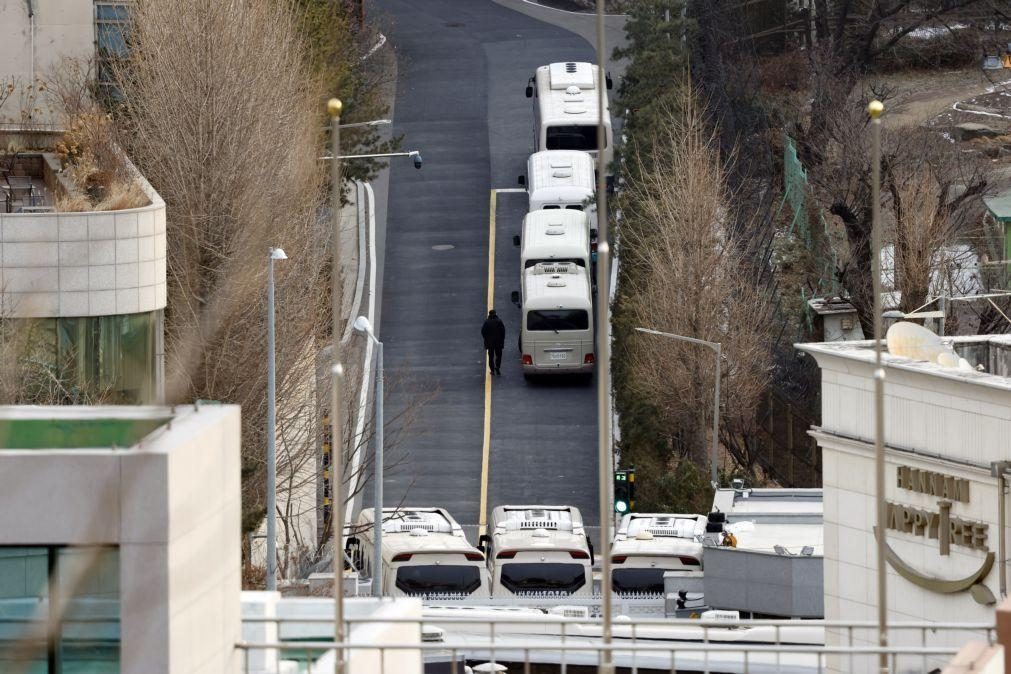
x=555, y=230
x=540, y=533
x=418, y=531
x=560, y=162
x=562, y=173
x=574, y=109
x=644, y=535
x=556, y=284
x=570, y=611
x=411, y=521
x=565, y=75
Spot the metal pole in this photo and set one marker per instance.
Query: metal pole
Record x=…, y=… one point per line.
x=716, y=418
x=605, y=454
x=336, y=393
x=271, y=437
x=377, y=551
x=874, y=110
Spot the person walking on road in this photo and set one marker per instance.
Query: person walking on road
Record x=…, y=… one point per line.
x=493, y=332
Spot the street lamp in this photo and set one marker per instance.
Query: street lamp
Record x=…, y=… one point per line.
x=334, y=107
x=718, y=348
x=363, y=325
x=275, y=254
x=414, y=154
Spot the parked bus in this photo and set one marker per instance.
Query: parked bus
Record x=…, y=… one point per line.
x=646, y=546
x=566, y=108
x=425, y=554
x=539, y=550
x=556, y=335
x=554, y=236
x=562, y=179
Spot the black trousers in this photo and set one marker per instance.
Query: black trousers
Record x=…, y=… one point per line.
x=494, y=359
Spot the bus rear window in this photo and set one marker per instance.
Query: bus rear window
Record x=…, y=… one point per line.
x=557, y=320
x=438, y=579
x=541, y=577
x=571, y=138
x=637, y=581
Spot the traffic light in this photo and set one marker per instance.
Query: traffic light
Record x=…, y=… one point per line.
x=624, y=490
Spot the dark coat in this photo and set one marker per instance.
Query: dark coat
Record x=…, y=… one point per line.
x=493, y=332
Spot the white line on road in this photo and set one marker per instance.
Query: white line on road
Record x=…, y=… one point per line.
x=511, y=189
x=363, y=396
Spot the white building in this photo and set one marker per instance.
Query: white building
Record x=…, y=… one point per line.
x=119, y=539
x=946, y=431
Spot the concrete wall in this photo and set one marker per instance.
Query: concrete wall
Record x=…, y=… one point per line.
x=83, y=264
x=62, y=28
x=172, y=505
x=760, y=582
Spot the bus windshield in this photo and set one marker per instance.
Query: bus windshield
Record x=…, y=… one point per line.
x=541, y=577
x=637, y=581
x=557, y=320
x=438, y=579
x=571, y=138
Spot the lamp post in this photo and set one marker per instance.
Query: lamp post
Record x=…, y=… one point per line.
x=718, y=348
x=334, y=108
x=275, y=254
x=363, y=325
x=605, y=452
x=874, y=110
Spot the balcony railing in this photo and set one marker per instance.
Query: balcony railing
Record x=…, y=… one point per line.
x=525, y=640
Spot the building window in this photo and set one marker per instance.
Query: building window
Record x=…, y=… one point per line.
x=59, y=610
x=111, y=22
x=94, y=359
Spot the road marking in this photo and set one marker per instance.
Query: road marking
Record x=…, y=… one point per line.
x=486, y=441
x=510, y=189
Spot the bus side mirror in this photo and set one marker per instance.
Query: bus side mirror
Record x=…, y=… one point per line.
x=530, y=88
x=516, y=240
x=610, y=83
x=484, y=543
x=522, y=181
x=514, y=297
x=590, y=546
x=351, y=544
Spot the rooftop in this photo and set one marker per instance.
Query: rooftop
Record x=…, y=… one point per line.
x=992, y=352
x=80, y=427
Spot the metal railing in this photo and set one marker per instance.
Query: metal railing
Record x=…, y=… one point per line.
x=458, y=635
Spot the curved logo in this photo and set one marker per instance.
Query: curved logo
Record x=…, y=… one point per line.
x=971, y=582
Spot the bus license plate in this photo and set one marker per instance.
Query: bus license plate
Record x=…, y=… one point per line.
x=558, y=355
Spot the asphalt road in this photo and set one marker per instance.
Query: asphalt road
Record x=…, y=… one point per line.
x=462, y=67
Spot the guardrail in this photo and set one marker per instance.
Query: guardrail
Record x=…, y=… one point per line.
x=524, y=641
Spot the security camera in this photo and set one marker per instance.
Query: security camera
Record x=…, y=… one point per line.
x=417, y=159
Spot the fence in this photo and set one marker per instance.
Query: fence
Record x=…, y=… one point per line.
x=552, y=643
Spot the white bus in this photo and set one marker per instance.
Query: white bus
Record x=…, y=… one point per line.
x=566, y=108
x=539, y=550
x=561, y=179
x=646, y=546
x=554, y=236
x=424, y=554
x=556, y=334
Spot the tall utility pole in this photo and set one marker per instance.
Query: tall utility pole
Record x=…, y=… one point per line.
x=275, y=254
x=603, y=357
x=874, y=109
x=334, y=107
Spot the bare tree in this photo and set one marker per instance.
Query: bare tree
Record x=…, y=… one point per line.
x=692, y=278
